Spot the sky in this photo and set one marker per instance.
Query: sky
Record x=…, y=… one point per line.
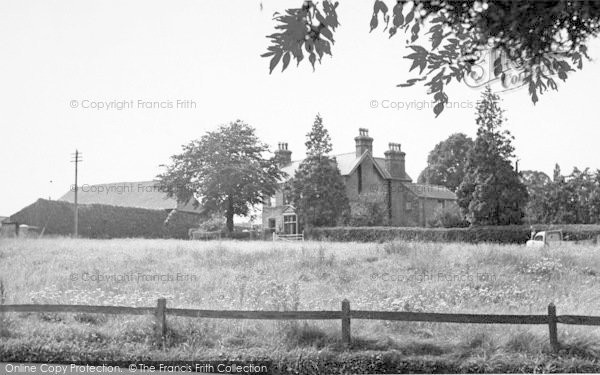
x=61, y=60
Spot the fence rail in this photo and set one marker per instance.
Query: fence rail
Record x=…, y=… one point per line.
x=288, y=237
x=345, y=315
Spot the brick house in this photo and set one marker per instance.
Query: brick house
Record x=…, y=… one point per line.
x=369, y=180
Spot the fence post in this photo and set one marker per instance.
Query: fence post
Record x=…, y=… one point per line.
x=161, y=319
x=552, y=327
x=346, y=337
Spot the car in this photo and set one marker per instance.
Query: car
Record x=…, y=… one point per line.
x=545, y=238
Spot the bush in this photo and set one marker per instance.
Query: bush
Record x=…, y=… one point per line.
x=367, y=214
x=518, y=234
x=448, y=217
x=215, y=223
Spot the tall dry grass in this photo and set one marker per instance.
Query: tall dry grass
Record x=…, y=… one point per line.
x=394, y=276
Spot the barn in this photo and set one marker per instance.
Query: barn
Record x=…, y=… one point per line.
x=114, y=210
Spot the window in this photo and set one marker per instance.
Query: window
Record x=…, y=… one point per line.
x=441, y=202
x=271, y=223
x=359, y=175
x=290, y=224
x=408, y=206
x=273, y=201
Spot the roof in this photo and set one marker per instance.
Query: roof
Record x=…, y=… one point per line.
x=347, y=163
x=142, y=194
x=431, y=191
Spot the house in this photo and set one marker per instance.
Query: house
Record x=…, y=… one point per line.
x=116, y=210
x=381, y=182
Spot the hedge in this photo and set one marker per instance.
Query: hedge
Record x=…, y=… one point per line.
x=495, y=234
x=104, y=221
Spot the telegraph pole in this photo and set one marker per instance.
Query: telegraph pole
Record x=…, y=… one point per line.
x=76, y=159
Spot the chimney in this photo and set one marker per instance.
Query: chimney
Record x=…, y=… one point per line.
x=394, y=161
x=363, y=142
x=283, y=155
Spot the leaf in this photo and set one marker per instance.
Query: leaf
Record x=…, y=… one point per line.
x=438, y=108
x=398, y=17
x=497, y=66
x=415, y=32
x=327, y=34
x=393, y=30
x=274, y=61
x=410, y=16
x=286, y=60
x=312, y=58
x=532, y=92
x=374, y=22
x=410, y=82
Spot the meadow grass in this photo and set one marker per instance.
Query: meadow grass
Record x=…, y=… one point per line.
x=396, y=276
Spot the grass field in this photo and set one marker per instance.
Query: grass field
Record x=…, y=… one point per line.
x=304, y=276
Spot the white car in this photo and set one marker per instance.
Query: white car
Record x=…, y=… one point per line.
x=545, y=238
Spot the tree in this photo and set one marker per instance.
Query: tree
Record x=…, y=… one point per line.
x=572, y=199
x=491, y=193
x=317, y=189
x=446, y=162
x=539, y=38
x=538, y=185
x=225, y=170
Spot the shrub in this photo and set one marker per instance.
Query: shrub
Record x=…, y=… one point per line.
x=215, y=223
x=367, y=214
x=448, y=217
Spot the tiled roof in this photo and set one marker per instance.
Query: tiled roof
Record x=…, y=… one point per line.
x=431, y=191
x=346, y=163
x=144, y=194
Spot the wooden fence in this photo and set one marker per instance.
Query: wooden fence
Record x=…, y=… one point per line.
x=345, y=315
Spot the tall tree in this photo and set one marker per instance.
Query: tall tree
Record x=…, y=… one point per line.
x=225, y=169
x=447, y=161
x=541, y=39
x=317, y=189
x=538, y=185
x=491, y=193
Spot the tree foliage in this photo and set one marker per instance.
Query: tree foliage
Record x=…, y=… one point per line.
x=225, y=170
x=447, y=161
x=540, y=39
x=537, y=183
x=491, y=193
x=571, y=199
x=317, y=190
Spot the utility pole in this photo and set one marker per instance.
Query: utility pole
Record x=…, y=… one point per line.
x=76, y=159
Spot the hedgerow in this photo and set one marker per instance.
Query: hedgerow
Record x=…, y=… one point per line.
x=495, y=234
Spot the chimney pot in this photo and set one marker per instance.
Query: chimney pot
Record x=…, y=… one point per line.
x=363, y=142
x=283, y=154
x=395, y=161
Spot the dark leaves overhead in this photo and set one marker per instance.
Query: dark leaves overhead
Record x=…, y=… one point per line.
x=542, y=39
x=308, y=29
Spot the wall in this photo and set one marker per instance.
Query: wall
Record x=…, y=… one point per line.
x=374, y=189
x=274, y=212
